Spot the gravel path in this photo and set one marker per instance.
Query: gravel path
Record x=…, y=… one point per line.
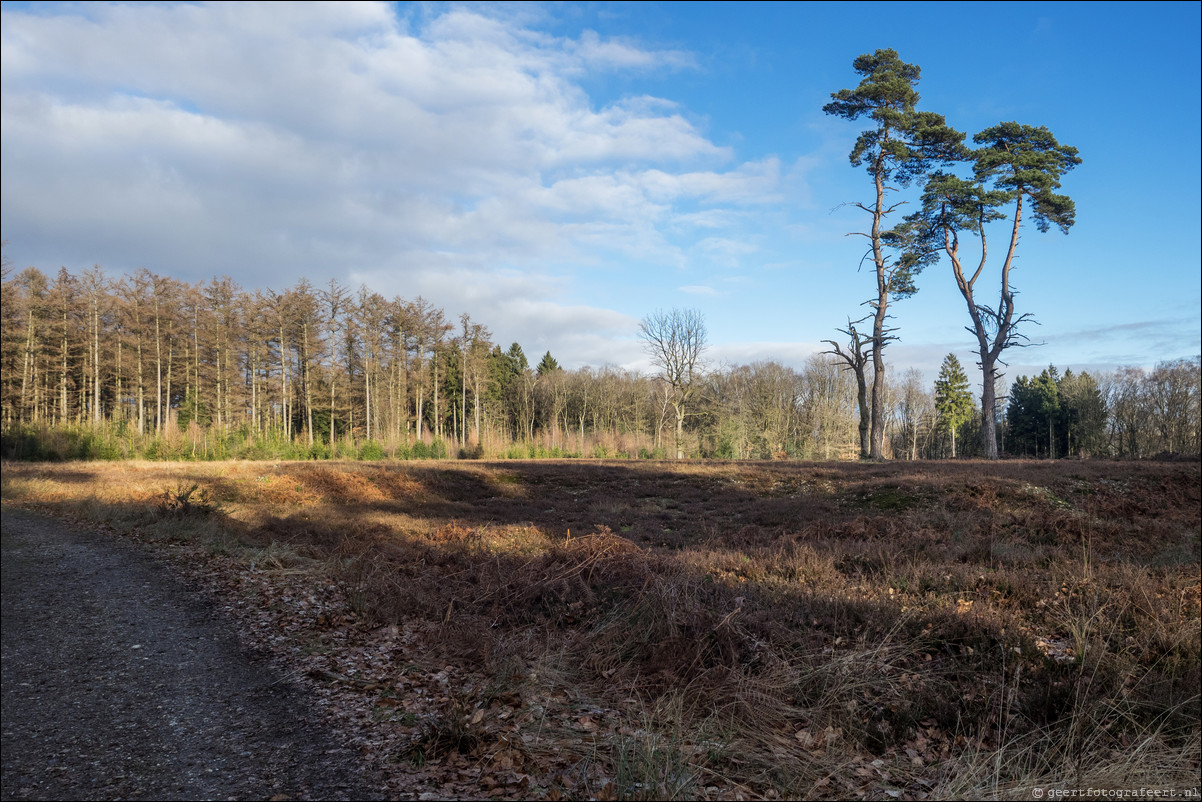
x=121, y=683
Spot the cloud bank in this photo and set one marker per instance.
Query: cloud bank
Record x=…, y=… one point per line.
x=454, y=156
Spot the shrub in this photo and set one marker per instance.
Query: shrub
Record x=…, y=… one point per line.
x=160, y=449
x=187, y=500
x=371, y=450
x=474, y=452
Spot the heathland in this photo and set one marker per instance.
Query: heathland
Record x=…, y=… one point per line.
x=649, y=629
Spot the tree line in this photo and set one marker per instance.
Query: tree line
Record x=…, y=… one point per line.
x=1128, y=413
x=149, y=366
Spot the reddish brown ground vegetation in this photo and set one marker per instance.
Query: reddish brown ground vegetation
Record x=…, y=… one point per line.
x=623, y=629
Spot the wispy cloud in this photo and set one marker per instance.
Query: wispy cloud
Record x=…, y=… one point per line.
x=594, y=50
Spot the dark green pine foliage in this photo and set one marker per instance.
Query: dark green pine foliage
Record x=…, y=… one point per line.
x=505, y=369
x=1082, y=415
x=516, y=358
x=510, y=386
x=900, y=146
x=1032, y=414
x=953, y=400
x=192, y=408
x=1059, y=416
x=547, y=365
x=1027, y=162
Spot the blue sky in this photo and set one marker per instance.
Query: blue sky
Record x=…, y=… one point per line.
x=558, y=171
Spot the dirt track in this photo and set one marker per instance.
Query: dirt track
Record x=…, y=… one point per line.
x=120, y=682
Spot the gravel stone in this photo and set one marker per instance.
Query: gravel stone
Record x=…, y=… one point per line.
x=119, y=682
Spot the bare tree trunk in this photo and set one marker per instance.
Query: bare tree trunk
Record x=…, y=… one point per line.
x=62, y=377
x=989, y=404
x=1002, y=320
x=118, y=411
x=227, y=342
x=254, y=357
x=285, y=396
x=95, y=360
x=170, y=363
x=679, y=431
x=196, y=362
x=141, y=384
x=158, y=367
x=420, y=393
x=333, y=374
x=476, y=404
x=218, y=379
x=306, y=378
x=856, y=361
x=27, y=369
x=463, y=383
x=877, y=438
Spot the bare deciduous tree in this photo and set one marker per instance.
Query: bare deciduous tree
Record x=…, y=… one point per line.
x=676, y=341
x=856, y=356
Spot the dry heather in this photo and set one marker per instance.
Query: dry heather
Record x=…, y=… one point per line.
x=716, y=630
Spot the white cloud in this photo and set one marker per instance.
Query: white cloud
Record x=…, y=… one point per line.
x=455, y=155
x=593, y=50
x=790, y=354
x=519, y=307
x=710, y=218
x=725, y=251
x=753, y=182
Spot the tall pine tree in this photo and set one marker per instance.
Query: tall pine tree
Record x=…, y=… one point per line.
x=900, y=146
x=1016, y=172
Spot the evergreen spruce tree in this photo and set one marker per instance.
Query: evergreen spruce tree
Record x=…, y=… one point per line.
x=953, y=401
x=547, y=365
x=1019, y=436
x=1048, y=387
x=516, y=359
x=1034, y=408
x=1083, y=415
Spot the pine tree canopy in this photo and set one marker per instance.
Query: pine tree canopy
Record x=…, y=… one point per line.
x=905, y=140
x=517, y=358
x=547, y=365
x=1027, y=160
